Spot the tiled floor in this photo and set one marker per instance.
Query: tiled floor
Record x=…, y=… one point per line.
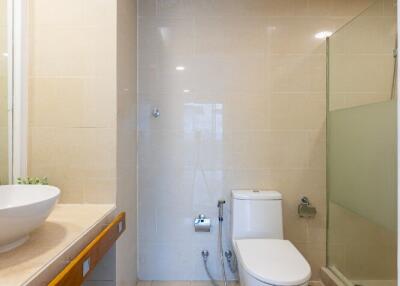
x=198, y=283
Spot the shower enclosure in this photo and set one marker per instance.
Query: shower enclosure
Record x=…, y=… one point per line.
x=361, y=148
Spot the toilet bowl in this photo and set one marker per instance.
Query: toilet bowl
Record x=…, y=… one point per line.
x=264, y=257
x=271, y=262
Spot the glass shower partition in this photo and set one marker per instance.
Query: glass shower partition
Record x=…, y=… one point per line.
x=361, y=148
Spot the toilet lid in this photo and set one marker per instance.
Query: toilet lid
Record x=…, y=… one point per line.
x=273, y=261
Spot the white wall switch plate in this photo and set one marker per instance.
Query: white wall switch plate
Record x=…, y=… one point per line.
x=86, y=267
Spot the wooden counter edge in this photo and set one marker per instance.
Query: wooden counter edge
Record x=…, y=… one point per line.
x=73, y=274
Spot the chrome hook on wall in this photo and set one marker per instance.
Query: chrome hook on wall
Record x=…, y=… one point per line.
x=156, y=112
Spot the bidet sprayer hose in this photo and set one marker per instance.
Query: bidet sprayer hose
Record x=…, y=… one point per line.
x=221, y=253
x=220, y=248
x=205, y=254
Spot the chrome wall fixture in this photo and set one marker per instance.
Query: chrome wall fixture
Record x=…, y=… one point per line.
x=202, y=223
x=156, y=112
x=305, y=209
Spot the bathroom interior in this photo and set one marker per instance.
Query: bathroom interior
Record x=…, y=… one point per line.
x=198, y=142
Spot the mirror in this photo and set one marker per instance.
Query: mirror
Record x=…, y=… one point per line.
x=4, y=97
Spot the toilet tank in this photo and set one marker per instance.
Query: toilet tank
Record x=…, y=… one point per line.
x=256, y=214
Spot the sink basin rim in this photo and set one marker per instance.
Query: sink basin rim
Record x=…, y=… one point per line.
x=23, y=208
x=29, y=195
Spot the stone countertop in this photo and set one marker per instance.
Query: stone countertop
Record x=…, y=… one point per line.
x=68, y=229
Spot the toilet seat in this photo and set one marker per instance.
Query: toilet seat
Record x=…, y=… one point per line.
x=273, y=261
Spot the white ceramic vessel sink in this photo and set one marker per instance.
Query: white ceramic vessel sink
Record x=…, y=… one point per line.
x=23, y=208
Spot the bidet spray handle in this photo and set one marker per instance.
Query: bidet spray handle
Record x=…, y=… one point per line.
x=221, y=210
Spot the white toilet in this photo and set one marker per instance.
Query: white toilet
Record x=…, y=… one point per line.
x=264, y=258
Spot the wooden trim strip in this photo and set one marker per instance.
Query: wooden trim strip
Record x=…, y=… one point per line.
x=95, y=250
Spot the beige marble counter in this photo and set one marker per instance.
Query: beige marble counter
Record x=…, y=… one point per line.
x=68, y=229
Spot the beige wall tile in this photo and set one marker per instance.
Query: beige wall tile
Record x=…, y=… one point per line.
x=48, y=13
x=349, y=8
x=296, y=73
x=52, y=101
x=296, y=35
x=77, y=118
x=253, y=117
x=72, y=95
x=73, y=157
x=297, y=111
